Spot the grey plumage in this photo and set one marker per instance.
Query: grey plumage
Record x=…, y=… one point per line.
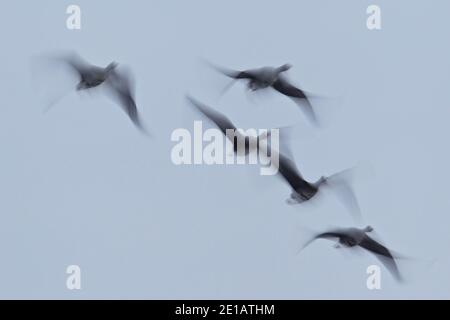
x=303, y=190
x=223, y=123
x=118, y=83
x=351, y=237
x=267, y=77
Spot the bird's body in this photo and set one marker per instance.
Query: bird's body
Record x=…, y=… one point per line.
x=352, y=237
x=263, y=77
x=93, y=76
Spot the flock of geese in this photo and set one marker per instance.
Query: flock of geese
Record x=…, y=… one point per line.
x=121, y=88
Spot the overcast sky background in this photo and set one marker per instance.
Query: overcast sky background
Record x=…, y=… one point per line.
x=80, y=185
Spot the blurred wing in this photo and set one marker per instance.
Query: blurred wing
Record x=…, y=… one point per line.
x=325, y=235
x=235, y=74
x=284, y=87
x=382, y=253
x=375, y=247
x=79, y=65
x=55, y=76
x=122, y=90
x=221, y=121
x=288, y=170
x=238, y=75
x=330, y=234
x=340, y=184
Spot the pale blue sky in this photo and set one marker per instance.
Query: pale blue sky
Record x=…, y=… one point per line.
x=79, y=185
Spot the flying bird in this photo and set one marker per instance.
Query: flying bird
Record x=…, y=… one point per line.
x=118, y=83
x=352, y=237
x=303, y=190
x=250, y=143
x=272, y=77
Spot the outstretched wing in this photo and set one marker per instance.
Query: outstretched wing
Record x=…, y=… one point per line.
x=235, y=74
x=238, y=74
x=283, y=86
x=341, y=186
x=325, y=235
x=80, y=66
x=220, y=120
x=375, y=247
x=121, y=88
x=382, y=253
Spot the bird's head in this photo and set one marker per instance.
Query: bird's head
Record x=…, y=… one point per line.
x=111, y=66
x=285, y=67
x=368, y=229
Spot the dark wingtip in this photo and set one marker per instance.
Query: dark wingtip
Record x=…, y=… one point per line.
x=189, y=98
x=142, y=128
x=195, y=103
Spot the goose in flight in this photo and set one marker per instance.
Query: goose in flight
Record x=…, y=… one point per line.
x=272, y=77
x=303, y=190
x=119, y=84
x=351, y=237
x=248, y=143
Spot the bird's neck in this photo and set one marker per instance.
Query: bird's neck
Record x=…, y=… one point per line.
x=280, y=70
x=319, y=182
